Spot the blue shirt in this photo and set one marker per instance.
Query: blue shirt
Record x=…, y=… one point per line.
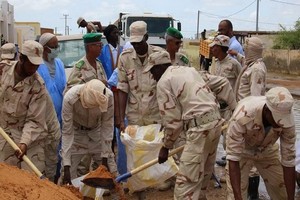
x=107, y=60
x=55, y=85
x=236, y=45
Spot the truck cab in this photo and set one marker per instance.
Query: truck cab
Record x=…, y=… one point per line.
x=156, y=26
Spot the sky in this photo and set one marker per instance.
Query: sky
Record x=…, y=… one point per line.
x=242, y=13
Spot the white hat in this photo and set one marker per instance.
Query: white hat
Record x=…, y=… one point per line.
x=137, y=31
x=280, y=102
x=34, y=51
x=8, y=51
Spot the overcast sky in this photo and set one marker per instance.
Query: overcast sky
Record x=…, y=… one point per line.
x=242, y=13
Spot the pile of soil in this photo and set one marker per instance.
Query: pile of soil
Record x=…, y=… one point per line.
x=16, y=184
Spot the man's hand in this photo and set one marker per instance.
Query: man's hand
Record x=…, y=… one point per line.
x=23, y=148
x=67, y=175
x=122, y=126
x=163, y=155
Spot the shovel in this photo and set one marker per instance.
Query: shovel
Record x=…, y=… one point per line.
x=151, y=162
x=25, y=158
x=146, y=165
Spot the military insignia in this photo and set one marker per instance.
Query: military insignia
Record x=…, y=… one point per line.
x=79, y=64
x=184, y=59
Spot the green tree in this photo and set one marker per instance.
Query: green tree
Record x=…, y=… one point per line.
x=288, y=39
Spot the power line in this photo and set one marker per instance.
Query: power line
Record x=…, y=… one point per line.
x=241, y=9
x=284, y=2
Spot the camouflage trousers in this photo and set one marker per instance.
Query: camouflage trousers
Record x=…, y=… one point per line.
x=51, y=159
x=196, y=162
x=269, y=167
x=35, y=153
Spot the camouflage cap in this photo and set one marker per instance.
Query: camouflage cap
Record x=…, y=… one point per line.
x=220, y=40
x=34, y=51
x=158, y=58
x=8, y=51
x=137, y=31
x=174, y=33
x=280, y=102
x=90, y=38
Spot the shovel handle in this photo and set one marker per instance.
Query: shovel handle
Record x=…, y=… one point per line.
x=146, y=165
x=25, y=158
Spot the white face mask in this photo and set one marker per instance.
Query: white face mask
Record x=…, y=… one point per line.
x=53, y=54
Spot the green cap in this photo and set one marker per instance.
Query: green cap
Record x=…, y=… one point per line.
x=174, y=33
x=92, y=38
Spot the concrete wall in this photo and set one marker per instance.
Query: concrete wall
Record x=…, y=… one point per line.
x=283, y=61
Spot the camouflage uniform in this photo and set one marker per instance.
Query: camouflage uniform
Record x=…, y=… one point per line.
x=142, y=107
x=52, y=140
x=86, y=131
x=83, y=72
x=250, y=143
x=252, y=80
x=22, y=111
x=181, y=60
x=186, y=103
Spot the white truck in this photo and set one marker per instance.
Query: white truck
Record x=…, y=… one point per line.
x=157, y=25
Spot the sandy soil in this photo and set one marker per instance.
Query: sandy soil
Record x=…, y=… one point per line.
x=16, y=184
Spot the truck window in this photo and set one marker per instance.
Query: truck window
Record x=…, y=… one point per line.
x=156, y=26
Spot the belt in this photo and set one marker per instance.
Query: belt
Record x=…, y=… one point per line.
x=200, y=120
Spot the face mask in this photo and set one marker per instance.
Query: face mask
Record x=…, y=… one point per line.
x=53, y=54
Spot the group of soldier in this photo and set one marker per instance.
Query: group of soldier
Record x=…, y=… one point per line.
x=111, y=88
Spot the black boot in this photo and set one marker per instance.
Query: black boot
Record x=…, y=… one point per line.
x=253, y=188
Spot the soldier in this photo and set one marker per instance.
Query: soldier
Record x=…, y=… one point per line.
x=88, y=67
x=173, y=42
x=23, y=99
x=87, y=127
x=256, y=125
x=8, y=54
x=228, y=67
x=91, y=27
x=137, y=90
x=186, y=103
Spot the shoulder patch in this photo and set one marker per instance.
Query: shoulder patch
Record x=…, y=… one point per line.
x=79, y=64
x=184, y=59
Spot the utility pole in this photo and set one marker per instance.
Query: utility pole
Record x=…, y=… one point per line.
x=66, y=24
x=197, y=36
x=257, y=11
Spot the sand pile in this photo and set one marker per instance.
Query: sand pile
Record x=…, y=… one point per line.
x=16, y=184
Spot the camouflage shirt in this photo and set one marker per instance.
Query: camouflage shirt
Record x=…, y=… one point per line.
x=142, y=107
x=181, y=60
x=182, y=95
x=83, y=72
x=247, y=136
x=229, y=68
x=252, y=80
x=74, y=116
x=22, y=107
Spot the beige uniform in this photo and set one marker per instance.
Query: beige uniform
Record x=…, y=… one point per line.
x=86, y=131
x=22, y=116
x=186, y=103
x=142, y=107
x=229, y=68
x=82, y=72
x=180, y=60
x=250, y=143
x=252, y=80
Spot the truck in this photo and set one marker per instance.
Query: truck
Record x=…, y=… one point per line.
x=157, y=25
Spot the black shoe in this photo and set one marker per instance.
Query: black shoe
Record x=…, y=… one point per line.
x=221, y=163
x=253, y=188
x=223, y=158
